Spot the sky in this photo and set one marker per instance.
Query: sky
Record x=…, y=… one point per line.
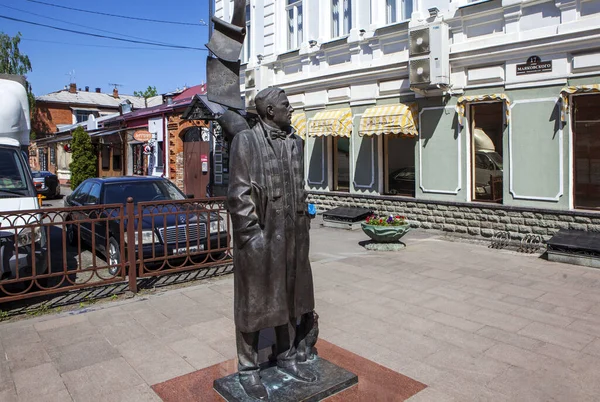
x=59, y=58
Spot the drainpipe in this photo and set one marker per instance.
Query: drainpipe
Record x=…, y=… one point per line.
x=165, y=145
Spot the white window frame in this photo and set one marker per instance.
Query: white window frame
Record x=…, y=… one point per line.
x=246, y=48
x=342, y=26
x=294, y=37
x=398, y=12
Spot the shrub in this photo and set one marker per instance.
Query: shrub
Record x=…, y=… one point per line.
x=84, y=164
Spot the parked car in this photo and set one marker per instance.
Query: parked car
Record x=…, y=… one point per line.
x=177, y=226
x=487, y=164
x=46, y=183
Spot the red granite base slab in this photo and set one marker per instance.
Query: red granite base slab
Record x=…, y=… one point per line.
x=375, y=382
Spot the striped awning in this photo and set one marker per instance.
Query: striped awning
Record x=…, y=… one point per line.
x=578, y=89
x=398, y=119
x=336, y=122
x=463, y=100
x=299, y=124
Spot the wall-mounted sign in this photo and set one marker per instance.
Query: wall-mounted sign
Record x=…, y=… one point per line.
x=67, y=147
x=142, y=135
x=534, y=65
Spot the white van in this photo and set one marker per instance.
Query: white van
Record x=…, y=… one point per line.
x=22, y=239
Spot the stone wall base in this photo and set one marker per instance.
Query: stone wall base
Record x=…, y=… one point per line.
x=478, y=220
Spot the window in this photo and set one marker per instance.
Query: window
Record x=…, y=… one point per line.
x=82, y=115
x=116, y=157
x=586, y=151
x=246, y=48
x=341, y=163
x=52, y=155
x=341, y=11
x=81, y=196
x=160, y=154
x=105, y=157
x=295, y=23
x=487, y=123
x=399, y=154
x=94, y=195
x=398, y=10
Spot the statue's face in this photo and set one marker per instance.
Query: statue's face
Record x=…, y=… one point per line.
x=282, y=112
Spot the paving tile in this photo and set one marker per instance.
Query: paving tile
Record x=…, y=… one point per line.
x=74, y=356
x=463, y=384
x=26, y=355
x=410, y=322
x=59, y=396
x=450, y=307
x=475, y=281
x=469, y=365
x=519, y=291
x=491, y=304
x=441, y=274
x=465, y=340
x=521, y=385
x=521, y=357
x=566, y=301
x=208, y=298
x=109, y=316
x=593, y=348
x=60, y=322
x=496, y=319
x=374, y=285
x=510, y=338
x=485, y=293
x=577, y=314
x=519, y=301
x=455, y=322
x=211, y=331
x=474, y=273
x=512, y=278
x=586, y=327
x=410, y=296
x=68, y=334
x=9, y=395
x=430, y=394
x=556, y=288
x=140, y=393
x=11, y=335
x=6, y=379
x=544, y=317
x=558, y=352
x=153, y=361
x=197, y=353
x=558, y=336
x=452, y=294
x=38, y=381
x=111, y=376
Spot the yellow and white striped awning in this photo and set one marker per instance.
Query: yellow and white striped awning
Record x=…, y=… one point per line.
x=336, y=122
x=463, y=100
x=578, y=89
x=398, y=119
x=299, y=124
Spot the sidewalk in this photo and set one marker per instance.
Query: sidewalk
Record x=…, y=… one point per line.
x=472, y=323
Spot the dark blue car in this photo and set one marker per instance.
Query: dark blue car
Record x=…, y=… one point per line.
x=168, y=229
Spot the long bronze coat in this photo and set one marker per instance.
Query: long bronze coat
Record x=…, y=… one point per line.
x=267, y=291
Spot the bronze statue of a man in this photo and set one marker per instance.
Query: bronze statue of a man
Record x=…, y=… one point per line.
x=273, y=284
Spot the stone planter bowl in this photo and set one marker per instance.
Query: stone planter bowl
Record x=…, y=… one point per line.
x=385, y=234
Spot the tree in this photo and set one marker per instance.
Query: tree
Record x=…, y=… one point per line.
x=148, y=93
x=12, y=61
x=84, y=164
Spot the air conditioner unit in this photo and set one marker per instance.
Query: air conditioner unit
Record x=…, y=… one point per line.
x=429, y=58
x=418, y=42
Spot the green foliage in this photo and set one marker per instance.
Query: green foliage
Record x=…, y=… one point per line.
x=12, y=61
x=148, y=93
x=84, y=164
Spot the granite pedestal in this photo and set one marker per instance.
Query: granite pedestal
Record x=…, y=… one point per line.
x=331, y=379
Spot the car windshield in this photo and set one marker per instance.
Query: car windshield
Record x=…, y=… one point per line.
x=12, y=172
x=141, y=191
x=496, y=158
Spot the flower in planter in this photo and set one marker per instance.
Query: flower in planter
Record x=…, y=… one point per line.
x=392, y=220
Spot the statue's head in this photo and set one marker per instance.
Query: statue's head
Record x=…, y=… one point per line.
x=273, y=106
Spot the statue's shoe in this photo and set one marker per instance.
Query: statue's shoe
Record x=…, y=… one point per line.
x=297, y=372
x=253, y=386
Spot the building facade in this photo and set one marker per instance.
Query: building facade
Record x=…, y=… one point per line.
x=466, y=116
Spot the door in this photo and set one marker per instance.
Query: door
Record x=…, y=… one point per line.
x=586, y=132
x=196, y=166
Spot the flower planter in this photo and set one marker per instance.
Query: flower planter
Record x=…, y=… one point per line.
x=385, y=234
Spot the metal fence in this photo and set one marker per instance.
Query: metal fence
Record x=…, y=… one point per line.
x=55, y=250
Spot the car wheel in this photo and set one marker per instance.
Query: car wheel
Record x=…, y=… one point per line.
x=57, y=192
x=72, y=235
x=114, y=255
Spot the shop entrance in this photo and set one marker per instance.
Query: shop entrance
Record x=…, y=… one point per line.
x=196, y=166
x=399, y=159
x=586, y=151
x=487, y=126
x=341, y=163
